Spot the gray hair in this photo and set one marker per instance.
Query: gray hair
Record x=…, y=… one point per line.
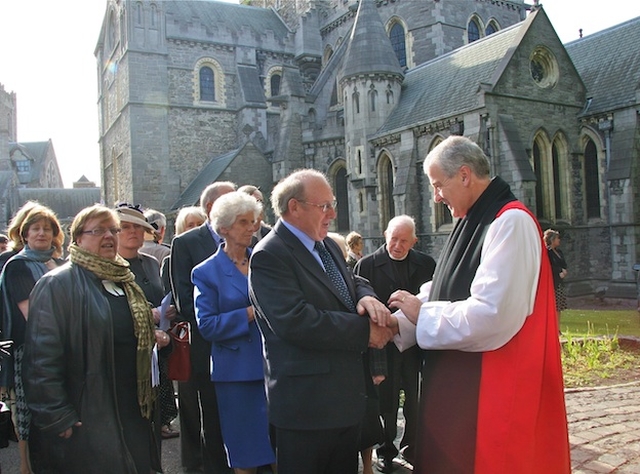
x=549, y=236
x=293, y=187
x=156, y=218
x=402, y=220
x=228, y=207
x=213, y=192
x=455, y=152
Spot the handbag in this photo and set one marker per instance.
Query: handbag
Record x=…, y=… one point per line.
x=179, y=362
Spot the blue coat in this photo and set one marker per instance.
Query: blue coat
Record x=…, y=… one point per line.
x=221, y=298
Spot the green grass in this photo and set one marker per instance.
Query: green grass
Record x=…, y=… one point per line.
x=582, y=322
x=593, y=359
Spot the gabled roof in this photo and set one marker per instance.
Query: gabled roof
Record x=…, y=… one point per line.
x=233, y=17
x=448, y=85
x=36, y=152
x=609, y=64
x=209, y=174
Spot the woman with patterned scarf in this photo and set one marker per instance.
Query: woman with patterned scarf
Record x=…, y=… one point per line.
x=90, y=360
x=41, y=239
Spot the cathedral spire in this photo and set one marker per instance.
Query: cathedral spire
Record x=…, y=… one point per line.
x=369, y=50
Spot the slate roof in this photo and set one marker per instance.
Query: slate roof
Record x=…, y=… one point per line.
x=210, y=173
x=448, y=85
x=233, y=17
x=250, y=83
x=370, y=50
x=66, y=203
x=609, y=64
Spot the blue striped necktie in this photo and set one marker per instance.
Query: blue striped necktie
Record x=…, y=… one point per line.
x=334, y=275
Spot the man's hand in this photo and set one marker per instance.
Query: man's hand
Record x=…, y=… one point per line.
x=375, y=309
x=406, y=302
x=378, y=335
x=66, y=434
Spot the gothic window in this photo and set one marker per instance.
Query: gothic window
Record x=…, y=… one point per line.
x=549, y=162
x=537, y=168
x=139, y=14
x=385, y=190
x=328, y=52
x=360, y=202
x=207, y=84
x=334, y=96
x=490, y=29
x=359, y=163
x=557, y=195
x=112, y=31
x=154, y=17
x=356, y=102
x=592, y=180
x=389, y=95
x=373, y=97
x=396, y=35
x=342, y=196
x=473, y=31
x=275, y=84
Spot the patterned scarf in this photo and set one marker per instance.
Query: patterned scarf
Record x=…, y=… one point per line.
x=117, y=270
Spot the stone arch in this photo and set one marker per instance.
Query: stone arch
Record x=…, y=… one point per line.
x=475, y=29
x=337, y=175
x=397, y=31
x=218, y=85
x=326, y=55
x=386, y=181
x=540, y=163
x=492, y=27
x=593, y=166
x=271, y=89
x=561, y=176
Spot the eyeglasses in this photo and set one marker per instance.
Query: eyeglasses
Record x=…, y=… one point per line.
x=324, y=207
x=100, y=231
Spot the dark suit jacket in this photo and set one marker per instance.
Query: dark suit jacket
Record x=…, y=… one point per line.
x=313, y=343
x=221, y=299
x=377, y=268
x=188, y=250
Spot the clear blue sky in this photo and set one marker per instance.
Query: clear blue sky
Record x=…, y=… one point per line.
x=46, y=58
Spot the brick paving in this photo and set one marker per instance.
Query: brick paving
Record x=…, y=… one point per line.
x=604, y=431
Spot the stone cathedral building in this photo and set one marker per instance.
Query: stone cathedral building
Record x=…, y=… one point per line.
x=191, y=92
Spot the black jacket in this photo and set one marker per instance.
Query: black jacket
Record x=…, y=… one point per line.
x=69, y=371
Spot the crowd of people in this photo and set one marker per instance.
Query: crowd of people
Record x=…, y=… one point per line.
x=301, y=345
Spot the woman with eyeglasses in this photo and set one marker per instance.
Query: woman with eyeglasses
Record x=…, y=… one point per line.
x=90, y=370
x=40, y=239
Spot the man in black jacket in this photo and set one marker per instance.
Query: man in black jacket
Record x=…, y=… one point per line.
x=197, y=397
x=396, y=265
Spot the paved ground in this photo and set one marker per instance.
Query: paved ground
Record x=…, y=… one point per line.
x=604, y=430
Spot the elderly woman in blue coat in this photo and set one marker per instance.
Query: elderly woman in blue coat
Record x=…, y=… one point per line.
x=226, y=319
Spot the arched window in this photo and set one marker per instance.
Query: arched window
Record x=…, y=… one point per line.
x=154, y=16
x=276, y=79
x=139, y=13
x=557, y=194
x=473, y=31
x=112, y=31
x=356, y=102
x=334, y=95
x=342, y=196
x=592, y=180
x=385, y=189
x=390, y=98
x=373, y=97
x=490, y=29
x=396, y=35
x=207, y=84
x=537, y=168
